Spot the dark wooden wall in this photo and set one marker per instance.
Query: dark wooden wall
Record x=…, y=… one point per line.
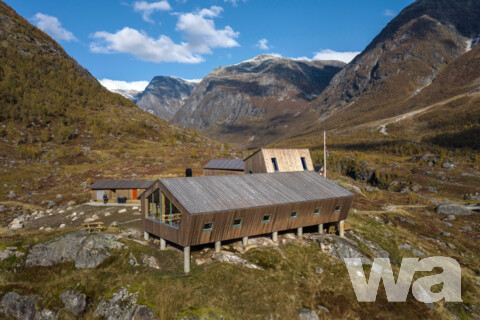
x=217, y=172
x=190, y=232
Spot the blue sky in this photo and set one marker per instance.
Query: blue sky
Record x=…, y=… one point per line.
x=137, y=40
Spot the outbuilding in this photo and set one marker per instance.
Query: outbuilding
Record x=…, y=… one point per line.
x=199, y=210
x=270, y=160
x=123, y=191
x=222, y=167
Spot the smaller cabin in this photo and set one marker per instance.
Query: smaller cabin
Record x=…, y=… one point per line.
x=271, y=160
x=223, y=167
x=119, y=191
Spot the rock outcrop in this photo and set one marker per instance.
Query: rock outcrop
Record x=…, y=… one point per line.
x=454, y=209
x=123, y=306
x=75, y=302
x=87, y=251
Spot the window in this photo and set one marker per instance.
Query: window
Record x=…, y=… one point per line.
x=250, y=172
x=208, y=226
x=294, y=215
x=317, y=211
x=337, y=208
x=304, y=163
x=237, y=223
x=266, y=218
x=275, y=165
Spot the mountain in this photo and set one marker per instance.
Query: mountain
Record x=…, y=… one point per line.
x=256, y=101
x=403, y=60
x=164, y=96
x=132, y=95
x=60, y=128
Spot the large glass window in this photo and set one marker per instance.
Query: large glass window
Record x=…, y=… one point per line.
x=162, y=209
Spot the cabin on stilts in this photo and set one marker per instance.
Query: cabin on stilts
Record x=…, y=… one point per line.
x=192, y=211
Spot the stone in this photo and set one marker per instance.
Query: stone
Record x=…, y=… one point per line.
x=84, y=184
x=323, y=309
x=71, y=203
x=319, y=270
x=445, y=234
x=123, y=306
x=11, y=195
x=454, y=209
x=51, y=204
x=448, y=224
x=86, y=250
x=448, y=165
x=59, y=196
x=3, y=208
x=307, y=314
x=19, y=307
x=230, y=257
x=414, y=250
x=9, y=252
x=122, y=211
x=402, y=219
x=150, y=261
x=132, y=260
x=114, y=224
x=62, y=225
x=135, y=208
x=75, y=302
x=450, y=217
x=451, y=245
x=107, y=214
x=466, y=228
x=88, y=220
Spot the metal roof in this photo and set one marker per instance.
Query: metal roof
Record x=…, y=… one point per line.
x=222, y=193
x=225, y=164
x=121, y=184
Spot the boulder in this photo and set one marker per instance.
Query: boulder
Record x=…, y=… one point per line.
x=19, y=307
x=51, y=204
x=2, y=208
x=448, y=165
x=123, y=306
x=414, y=250
x=454, y=209
x=450, y=217
x=230, y=257
x=132, y=260
x=466, y=228
x=122, y=211
x=148, y=261
x=339, y=248
x=75, y=302
x=9, y=252
x=307, y=314
x=86, y=250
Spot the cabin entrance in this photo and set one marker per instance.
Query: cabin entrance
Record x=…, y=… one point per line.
x=162, y=210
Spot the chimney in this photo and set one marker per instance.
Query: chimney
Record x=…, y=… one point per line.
x=188, y=172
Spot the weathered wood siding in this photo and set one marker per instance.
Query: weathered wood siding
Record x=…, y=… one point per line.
x=113, y=194
x=288, y=160
x=218, y=172
x=191, y=232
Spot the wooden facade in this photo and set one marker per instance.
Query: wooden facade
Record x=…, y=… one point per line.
x=223, y=167
x=334, y=204
x=129, y=189
x=220, y=172
x=270, y=160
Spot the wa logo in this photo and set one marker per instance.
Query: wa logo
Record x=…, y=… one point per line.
x=398, y=291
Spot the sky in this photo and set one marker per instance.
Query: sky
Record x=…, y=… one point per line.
x=126, y=43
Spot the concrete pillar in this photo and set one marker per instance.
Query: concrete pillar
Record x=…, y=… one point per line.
x=320, y=228
x=245, y=241
x=163, y=244
x=300, y=232
x=341, y=229
x=218, y=245
x=275, y=236
x=186, y=259
x=146, y=235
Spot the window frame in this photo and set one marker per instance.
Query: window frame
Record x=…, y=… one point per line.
x=234, y=225
x=269, y=218
x=317, y=211
x=294, y=216
x=337, y=208
x=207, y=229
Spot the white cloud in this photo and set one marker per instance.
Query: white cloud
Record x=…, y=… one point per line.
x=328, y=54
x=263, y=44
x=52, y=27
x=198, y=28
x=147, y=9
x=124, y=85
x=234, y=2
x=389, y=13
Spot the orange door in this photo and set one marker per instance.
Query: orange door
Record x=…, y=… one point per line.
x=134, y=194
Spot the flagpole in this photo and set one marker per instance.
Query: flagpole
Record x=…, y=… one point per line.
x=324, y=154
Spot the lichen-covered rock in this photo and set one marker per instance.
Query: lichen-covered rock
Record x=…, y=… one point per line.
x=10, y=251
x=232, y=258
x=307, y=314
x=339, y=248
x=123, y=306
x=75, y=302
x=88, y=251
x=16, y=306
x=454, y=209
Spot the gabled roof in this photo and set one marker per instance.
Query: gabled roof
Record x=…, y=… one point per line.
x=222, y=193
x=225, y=164
x=262, y=149
x=121, y=184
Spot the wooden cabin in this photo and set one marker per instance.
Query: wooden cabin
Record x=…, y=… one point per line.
x=116, y=190
x=222, y=167
x=200, y=210
x=270, y=160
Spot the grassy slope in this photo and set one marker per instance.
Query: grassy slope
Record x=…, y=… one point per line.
x=59, y=126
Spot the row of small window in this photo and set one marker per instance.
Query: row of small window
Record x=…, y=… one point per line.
x=266, y=218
